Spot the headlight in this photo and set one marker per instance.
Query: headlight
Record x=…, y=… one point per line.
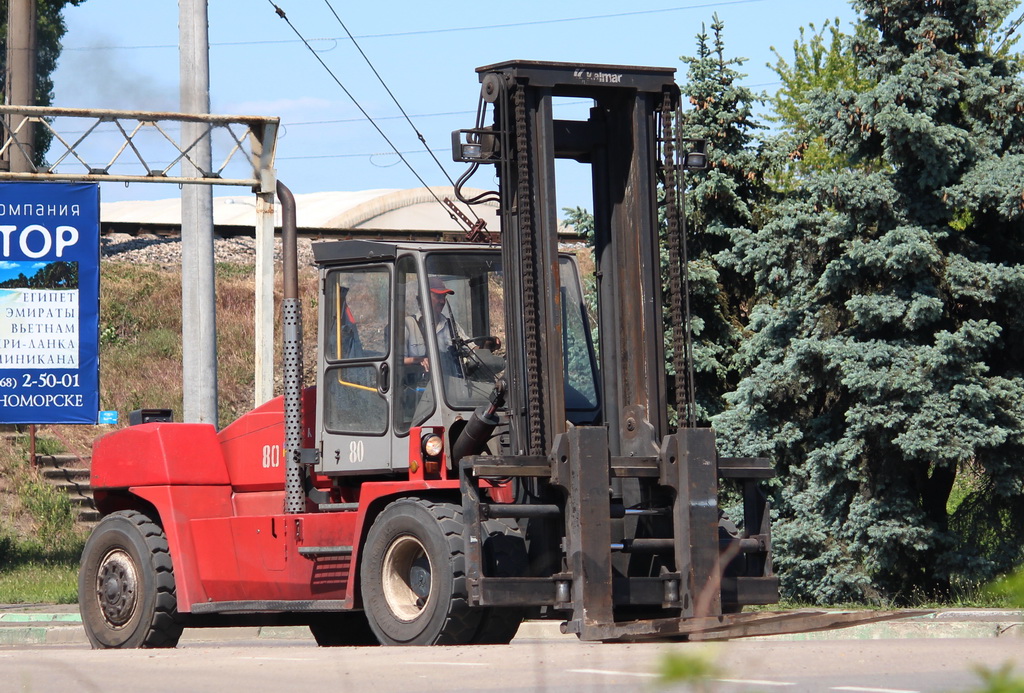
x=433, y=445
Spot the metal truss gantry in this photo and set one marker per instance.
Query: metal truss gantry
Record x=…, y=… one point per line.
x=134, y=139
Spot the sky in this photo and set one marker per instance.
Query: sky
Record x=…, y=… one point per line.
x=122, y=54
x=10, y=270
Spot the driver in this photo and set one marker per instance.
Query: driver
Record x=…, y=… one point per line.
x=416, y=343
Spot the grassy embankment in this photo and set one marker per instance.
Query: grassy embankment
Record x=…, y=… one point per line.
x=39, y=541
x=140, y=366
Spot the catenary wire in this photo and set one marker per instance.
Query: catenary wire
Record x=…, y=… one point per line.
x=395, y=99
x=281, y=13
x=421, y=32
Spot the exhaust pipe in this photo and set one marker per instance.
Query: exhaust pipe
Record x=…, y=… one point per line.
x=291, y=338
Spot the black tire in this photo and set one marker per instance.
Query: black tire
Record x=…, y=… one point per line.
x=126, y=591
x=346, y=629
x=413, y=576
x=504, y=556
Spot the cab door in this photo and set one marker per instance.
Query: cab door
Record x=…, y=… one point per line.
x=355, y=370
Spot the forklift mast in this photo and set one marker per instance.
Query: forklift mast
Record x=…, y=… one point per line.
x=620, y=142
x=644, y=548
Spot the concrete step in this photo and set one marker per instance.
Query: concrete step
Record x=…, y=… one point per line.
x=69, y=474
x=88, y=516
x=80, y=474
x=60, y=460
x=72, y=488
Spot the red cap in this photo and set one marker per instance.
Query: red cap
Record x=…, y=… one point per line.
x=437, y=287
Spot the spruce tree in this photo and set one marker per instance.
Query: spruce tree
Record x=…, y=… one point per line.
x=722, y=202
x=885, y=360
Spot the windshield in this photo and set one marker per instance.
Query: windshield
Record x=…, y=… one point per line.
x=467, y=302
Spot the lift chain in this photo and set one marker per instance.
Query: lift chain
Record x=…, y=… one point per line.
x=691, y=381
x=682, y=357
x=528, y=240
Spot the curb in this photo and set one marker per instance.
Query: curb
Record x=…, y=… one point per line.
x=66, y=629
x=27, y=628
x=20, y=628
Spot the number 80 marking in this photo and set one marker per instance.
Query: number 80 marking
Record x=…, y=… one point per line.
x=271, y=456
x=355, y=451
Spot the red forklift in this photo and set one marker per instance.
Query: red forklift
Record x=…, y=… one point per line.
x=470, y=456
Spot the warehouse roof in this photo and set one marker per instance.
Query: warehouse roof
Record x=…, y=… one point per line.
x=386, y=209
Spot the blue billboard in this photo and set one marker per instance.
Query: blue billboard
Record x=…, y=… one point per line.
x=49, y=303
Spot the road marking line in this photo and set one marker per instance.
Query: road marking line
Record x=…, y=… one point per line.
x=452, y=664
x=859, y=689
x=282, y=659
x=608, y=672
x=756, y=682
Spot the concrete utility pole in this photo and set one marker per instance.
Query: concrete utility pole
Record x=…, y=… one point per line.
x=198, y=292
x=21, y=76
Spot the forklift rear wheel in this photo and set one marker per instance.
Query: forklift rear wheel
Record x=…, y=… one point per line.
x=126, y=588
x=413, y=576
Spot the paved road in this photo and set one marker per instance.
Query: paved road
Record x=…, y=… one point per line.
x=563, y=665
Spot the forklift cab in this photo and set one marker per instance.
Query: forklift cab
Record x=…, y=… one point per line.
x=413, y=336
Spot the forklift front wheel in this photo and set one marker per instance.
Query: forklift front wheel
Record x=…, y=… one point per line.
x=412, y=577
x=126, y=584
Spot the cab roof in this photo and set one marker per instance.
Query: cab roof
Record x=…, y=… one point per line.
x=337, y=252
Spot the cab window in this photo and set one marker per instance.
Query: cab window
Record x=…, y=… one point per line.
x=356, y=325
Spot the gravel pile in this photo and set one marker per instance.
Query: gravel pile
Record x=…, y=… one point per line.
x=157, y=250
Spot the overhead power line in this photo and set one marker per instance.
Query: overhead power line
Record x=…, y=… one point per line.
x=423, y=32
x=537, y=22
x=419, y=135
x=368, y=155
x=1009, y=32
x=281, y=13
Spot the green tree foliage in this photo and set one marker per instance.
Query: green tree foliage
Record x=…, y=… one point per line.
x=822, y=62
x=885, y=357
x=721, y=204
x=581, y=220
x=50, y=30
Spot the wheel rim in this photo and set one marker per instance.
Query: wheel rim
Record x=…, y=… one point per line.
x=117, y=587
x=405, y=578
